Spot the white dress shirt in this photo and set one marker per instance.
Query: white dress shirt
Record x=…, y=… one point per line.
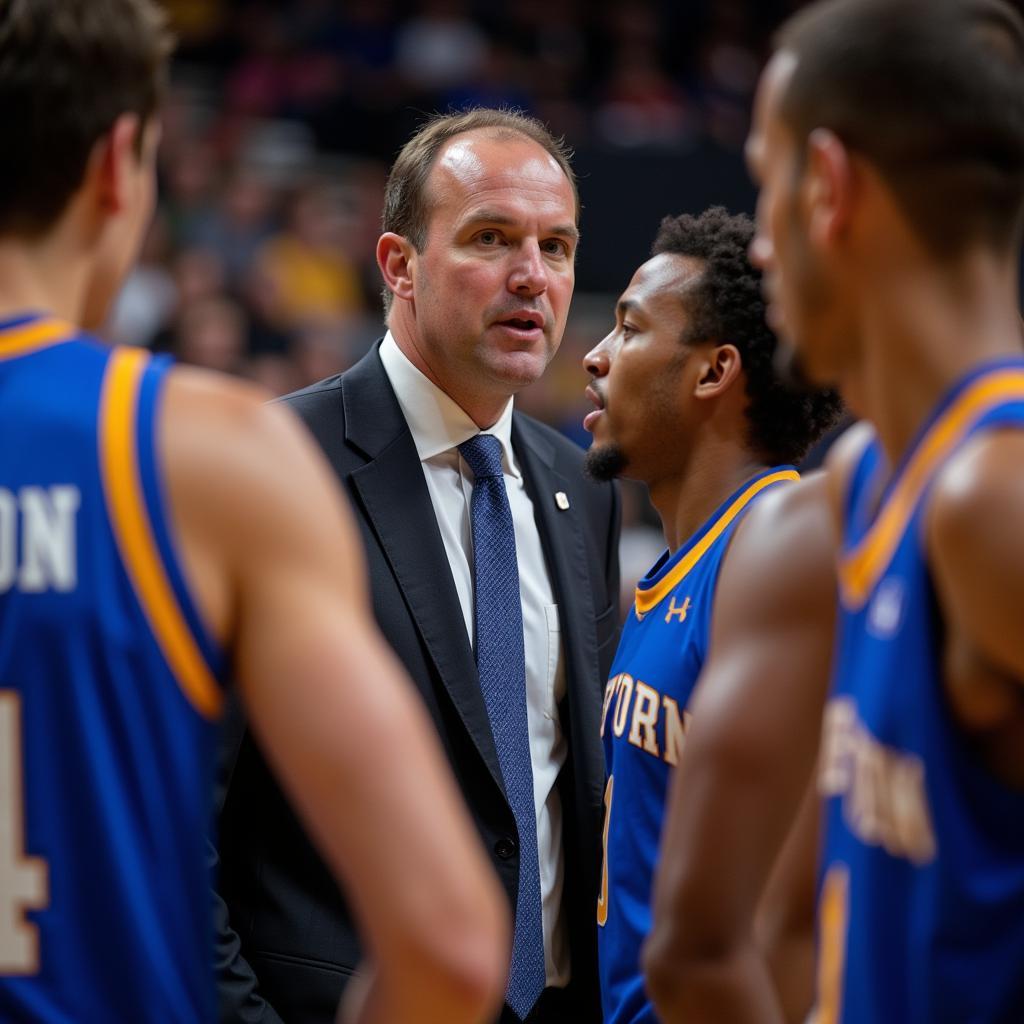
x=438, y=426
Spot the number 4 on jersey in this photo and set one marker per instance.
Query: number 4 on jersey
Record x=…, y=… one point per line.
x=23, y=880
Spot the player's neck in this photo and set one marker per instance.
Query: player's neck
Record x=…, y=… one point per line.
x=38, y=276
x=922, y=333
x=685, y=502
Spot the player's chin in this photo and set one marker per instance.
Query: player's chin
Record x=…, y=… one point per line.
x=605, y=461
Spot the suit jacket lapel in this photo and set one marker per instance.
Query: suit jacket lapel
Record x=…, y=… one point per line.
x=394, y=494
x=561, y=534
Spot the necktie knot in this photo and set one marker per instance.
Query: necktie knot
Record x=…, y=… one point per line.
x=483, y=455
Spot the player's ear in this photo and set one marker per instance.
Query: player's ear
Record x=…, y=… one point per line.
x=719, y=371
x=829, y=185
x=396, y=257
x=114, y=162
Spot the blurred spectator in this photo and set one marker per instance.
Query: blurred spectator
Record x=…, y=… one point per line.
x=198, y=274
x=310, y=269
x=278, y=76
x=440, y=46
x=326, y=347
x=499, y=81
x=237, y=229
x=211, y=332
x=728, y=65
x=642, y=106
x=190, y=195
x=149, y=297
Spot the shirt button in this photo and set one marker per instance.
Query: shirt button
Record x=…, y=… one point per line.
x=505, y=848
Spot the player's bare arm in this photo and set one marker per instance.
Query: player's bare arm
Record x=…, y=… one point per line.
x=748, y=760
x=976, y=553
x=784, y=927
x=278, y=567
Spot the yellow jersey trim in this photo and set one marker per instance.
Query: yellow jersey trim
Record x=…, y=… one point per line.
x=29, y=337
x=134, y=534
x=648, y=599
x=862, y=568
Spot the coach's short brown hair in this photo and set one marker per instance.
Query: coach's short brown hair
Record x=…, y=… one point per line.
x=68, y=70
x=407, y=202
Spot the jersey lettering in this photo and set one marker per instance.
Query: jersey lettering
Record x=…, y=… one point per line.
x=884, y=799
x=44, y=521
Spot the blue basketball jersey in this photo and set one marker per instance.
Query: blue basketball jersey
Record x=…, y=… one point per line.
x=643, y=725
x=109, y=696
x=921, y=906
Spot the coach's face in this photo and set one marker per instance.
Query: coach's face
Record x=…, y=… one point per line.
x=492, y=285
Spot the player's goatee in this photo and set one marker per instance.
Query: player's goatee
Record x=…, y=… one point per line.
x=605, y=462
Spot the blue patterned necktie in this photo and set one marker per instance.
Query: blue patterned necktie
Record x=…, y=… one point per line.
x=501, y=663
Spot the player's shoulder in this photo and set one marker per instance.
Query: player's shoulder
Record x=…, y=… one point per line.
x=787, y=543
x=216, y=423
x=783, y=521
x=842, y=461
x=979, y=489
x=783, y=510
x=211, y=395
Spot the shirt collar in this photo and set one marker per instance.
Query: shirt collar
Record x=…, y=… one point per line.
x=435, y=419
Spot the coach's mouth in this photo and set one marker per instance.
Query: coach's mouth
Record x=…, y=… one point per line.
x=523, y=324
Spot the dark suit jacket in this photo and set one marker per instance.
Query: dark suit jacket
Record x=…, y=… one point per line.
x=290, y=927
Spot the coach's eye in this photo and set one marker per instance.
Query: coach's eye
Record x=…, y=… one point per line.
x=555, y=247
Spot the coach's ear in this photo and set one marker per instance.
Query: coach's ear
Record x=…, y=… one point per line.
x=396, y=257
x=718, y=371
x=828, y=191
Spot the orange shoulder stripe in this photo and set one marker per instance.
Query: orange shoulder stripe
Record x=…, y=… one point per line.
x=864, y=566
x=648, y=599
x=130, y=522
x=25, y=338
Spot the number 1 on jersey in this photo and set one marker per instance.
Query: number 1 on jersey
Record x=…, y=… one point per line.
x=23, y=880
x=602, y=900
x=833, y=920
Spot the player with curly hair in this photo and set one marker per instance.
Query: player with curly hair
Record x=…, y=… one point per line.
x=688, y=401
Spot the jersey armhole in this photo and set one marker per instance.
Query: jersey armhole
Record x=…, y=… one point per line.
x=138, y=515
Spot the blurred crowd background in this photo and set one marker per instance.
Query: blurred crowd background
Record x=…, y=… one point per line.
x=284, y=116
